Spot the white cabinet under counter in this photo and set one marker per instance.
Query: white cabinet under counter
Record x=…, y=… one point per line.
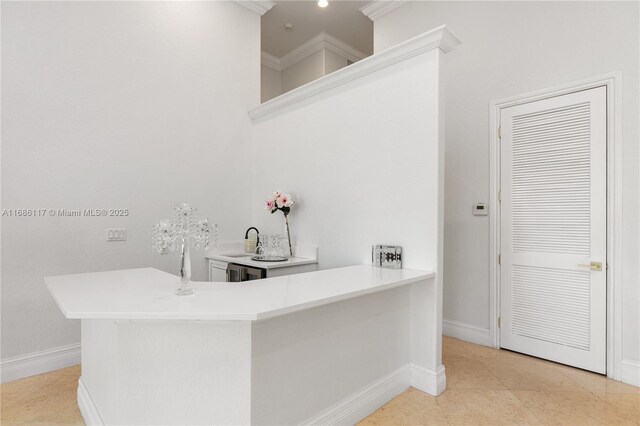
x=327, y=347
x=305, y=260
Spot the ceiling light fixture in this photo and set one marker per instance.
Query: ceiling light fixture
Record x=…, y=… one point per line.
x=323, y=3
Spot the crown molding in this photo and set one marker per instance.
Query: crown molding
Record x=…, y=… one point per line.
x=271, y=61
x=257, y=6
x=317, y=43
x=438, y=38
x=377, y=9
x=322, y=41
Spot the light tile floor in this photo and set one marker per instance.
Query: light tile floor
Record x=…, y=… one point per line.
x=46, y=399
x=495, y=387
x=484, y=387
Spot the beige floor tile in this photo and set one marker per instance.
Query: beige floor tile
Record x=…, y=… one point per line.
x=544, y=392
x=494, y=358
x=597, y=383
x=467, y=373
x=71, y=416
x=410, y=408
x=73, y=371
x=459, y=413
x=68, y=383
x=55, y=421
x=476, y=377
x=527, y=373
x=12, y=392
x=53, y=403
x=627, y=405
x=497, y=407
x=571, y=408
x=454, y=347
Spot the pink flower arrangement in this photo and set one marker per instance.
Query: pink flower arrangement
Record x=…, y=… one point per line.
x=283, y=202
x=279, y=201
x=269, y=204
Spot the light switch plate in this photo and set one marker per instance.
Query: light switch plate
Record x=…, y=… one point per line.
x=480, y=209
x=116, y=234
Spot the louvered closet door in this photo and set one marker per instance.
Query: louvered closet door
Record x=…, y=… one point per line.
x=553, y=229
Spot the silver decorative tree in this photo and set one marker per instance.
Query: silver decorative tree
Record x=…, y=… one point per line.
x=181, y=232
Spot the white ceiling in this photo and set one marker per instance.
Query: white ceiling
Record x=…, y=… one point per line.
x=341, y=19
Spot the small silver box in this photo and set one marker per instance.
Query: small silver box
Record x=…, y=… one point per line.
x=385, y=256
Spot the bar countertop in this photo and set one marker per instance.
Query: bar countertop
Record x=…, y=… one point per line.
x=149, y=293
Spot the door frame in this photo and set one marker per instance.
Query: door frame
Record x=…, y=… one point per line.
x=613, y=82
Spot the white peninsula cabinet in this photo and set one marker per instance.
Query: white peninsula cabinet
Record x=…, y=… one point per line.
x=302, y=349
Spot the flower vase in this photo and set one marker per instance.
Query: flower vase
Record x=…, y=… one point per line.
x=286, y=223
x=185, y=270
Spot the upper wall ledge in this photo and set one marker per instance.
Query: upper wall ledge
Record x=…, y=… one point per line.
x=439, y=37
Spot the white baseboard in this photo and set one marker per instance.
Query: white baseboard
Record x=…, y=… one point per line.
x=87, y=407
x=630, y=372
x=467, y=332
x=357, y=406
x=348, y=411
x=22, y=366
x=433, y=382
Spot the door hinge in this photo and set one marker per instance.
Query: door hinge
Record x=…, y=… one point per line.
x=500, y=132
x=499, y=259
x=500, y=196
x=499, y=322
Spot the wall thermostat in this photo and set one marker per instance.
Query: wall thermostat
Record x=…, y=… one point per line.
x=480, y=209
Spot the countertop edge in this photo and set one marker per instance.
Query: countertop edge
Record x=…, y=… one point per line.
x=342, y=297
x=246, y=317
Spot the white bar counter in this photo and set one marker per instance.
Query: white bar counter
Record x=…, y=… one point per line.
x=322, y=347
x=148, y=293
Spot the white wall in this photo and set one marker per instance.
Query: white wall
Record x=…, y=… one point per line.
x=138, y=105
x=509, y=48
x=333, y=62
x=270, y=83
x=363, y=162
x=354, y=160
x=317, y=65
x=308, y=69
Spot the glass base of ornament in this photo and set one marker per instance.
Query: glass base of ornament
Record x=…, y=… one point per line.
x=184, y=291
